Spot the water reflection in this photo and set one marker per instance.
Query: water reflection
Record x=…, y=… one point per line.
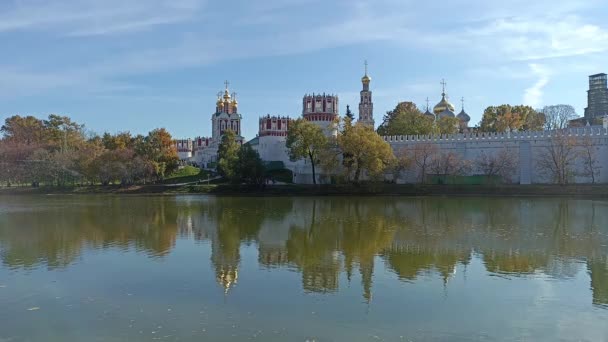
x=321, y=238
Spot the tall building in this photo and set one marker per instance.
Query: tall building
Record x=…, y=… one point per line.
x=322, y=110
x=366, y=105
x=226, y=115
x=597, y=97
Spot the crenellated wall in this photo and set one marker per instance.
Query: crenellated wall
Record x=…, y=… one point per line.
x=526, y=146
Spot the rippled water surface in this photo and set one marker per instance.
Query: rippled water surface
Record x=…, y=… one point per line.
x=108, y=268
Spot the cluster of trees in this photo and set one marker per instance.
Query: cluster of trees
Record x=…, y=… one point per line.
x=358, y=150
x=239, y=164
x=407, y=119
x=58, y=151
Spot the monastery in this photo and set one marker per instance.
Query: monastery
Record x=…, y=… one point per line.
x=323, y=110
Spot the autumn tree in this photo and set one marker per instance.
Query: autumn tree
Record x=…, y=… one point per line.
x=26, y=130
x=366, y=151
x=306, y=140
x=406, y=119
x=227, y=156
x=515, y=118
x=423, y=155
x=502, y=163
x=557, y=159
x=558, y=116
x=118, y=141
x=589, y=157
x=158, y=148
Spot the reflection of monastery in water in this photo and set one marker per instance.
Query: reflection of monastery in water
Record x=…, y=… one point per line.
x=331, y=241
x=324, y=239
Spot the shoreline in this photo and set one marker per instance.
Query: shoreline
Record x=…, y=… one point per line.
x=406, y=190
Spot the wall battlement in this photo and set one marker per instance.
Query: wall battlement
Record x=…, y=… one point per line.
x=506, y=136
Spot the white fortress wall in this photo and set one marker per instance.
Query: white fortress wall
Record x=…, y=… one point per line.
x=527, y=146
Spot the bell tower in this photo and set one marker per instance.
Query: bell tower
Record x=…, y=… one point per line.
x=366, y=106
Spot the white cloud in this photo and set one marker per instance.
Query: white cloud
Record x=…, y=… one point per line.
x=534, y=95
x=94, y=17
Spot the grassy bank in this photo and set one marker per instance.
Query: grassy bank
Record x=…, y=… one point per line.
x=590, y=191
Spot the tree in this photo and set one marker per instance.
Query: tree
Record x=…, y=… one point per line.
x=557, y=159
x=349, y=113
x=503, y=164
x=558, y=116
x=591, y=167
x=406, y=119
x=423, y=155
x=117, y=141
x=158, y=148
x=250, y=166
x=403, y=162
x=62, y=133
x=448, y=125
x=306, y=140
x=515, y=118
x=227, y=156
x=25, y=130
x=450, y=164
x=366, y=151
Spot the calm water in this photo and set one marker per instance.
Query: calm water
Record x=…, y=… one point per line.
x=97, y=268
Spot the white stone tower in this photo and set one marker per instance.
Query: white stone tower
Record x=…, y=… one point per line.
x=366, y=106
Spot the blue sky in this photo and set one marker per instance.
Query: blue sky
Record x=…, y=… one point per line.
x=135, y=65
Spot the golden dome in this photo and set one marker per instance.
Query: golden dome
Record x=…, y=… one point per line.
x=366, y=79
x=443, y=105
x=219, y=101
x=226, y=94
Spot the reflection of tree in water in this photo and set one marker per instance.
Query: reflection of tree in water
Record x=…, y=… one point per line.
x=235, y=221
x=56, y=234
x=339, y=232
x=598, y=271
x=322, y=237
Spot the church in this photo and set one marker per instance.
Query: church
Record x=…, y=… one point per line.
x=324, y=110
x=321, y=109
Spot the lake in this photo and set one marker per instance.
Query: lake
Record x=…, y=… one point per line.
x=202, y=268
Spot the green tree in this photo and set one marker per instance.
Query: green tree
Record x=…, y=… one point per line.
x=117, y=141
x=349, y=113
x=365, y=150
x=250, y=166
x=448, y=125
x=228, y=156
x=63, y=133
x=306, y=140
x=406, y=119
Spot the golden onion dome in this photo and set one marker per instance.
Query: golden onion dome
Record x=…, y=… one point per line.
x=443, y=105
x=226, y=95
x=366, y=79
x=219, y=101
